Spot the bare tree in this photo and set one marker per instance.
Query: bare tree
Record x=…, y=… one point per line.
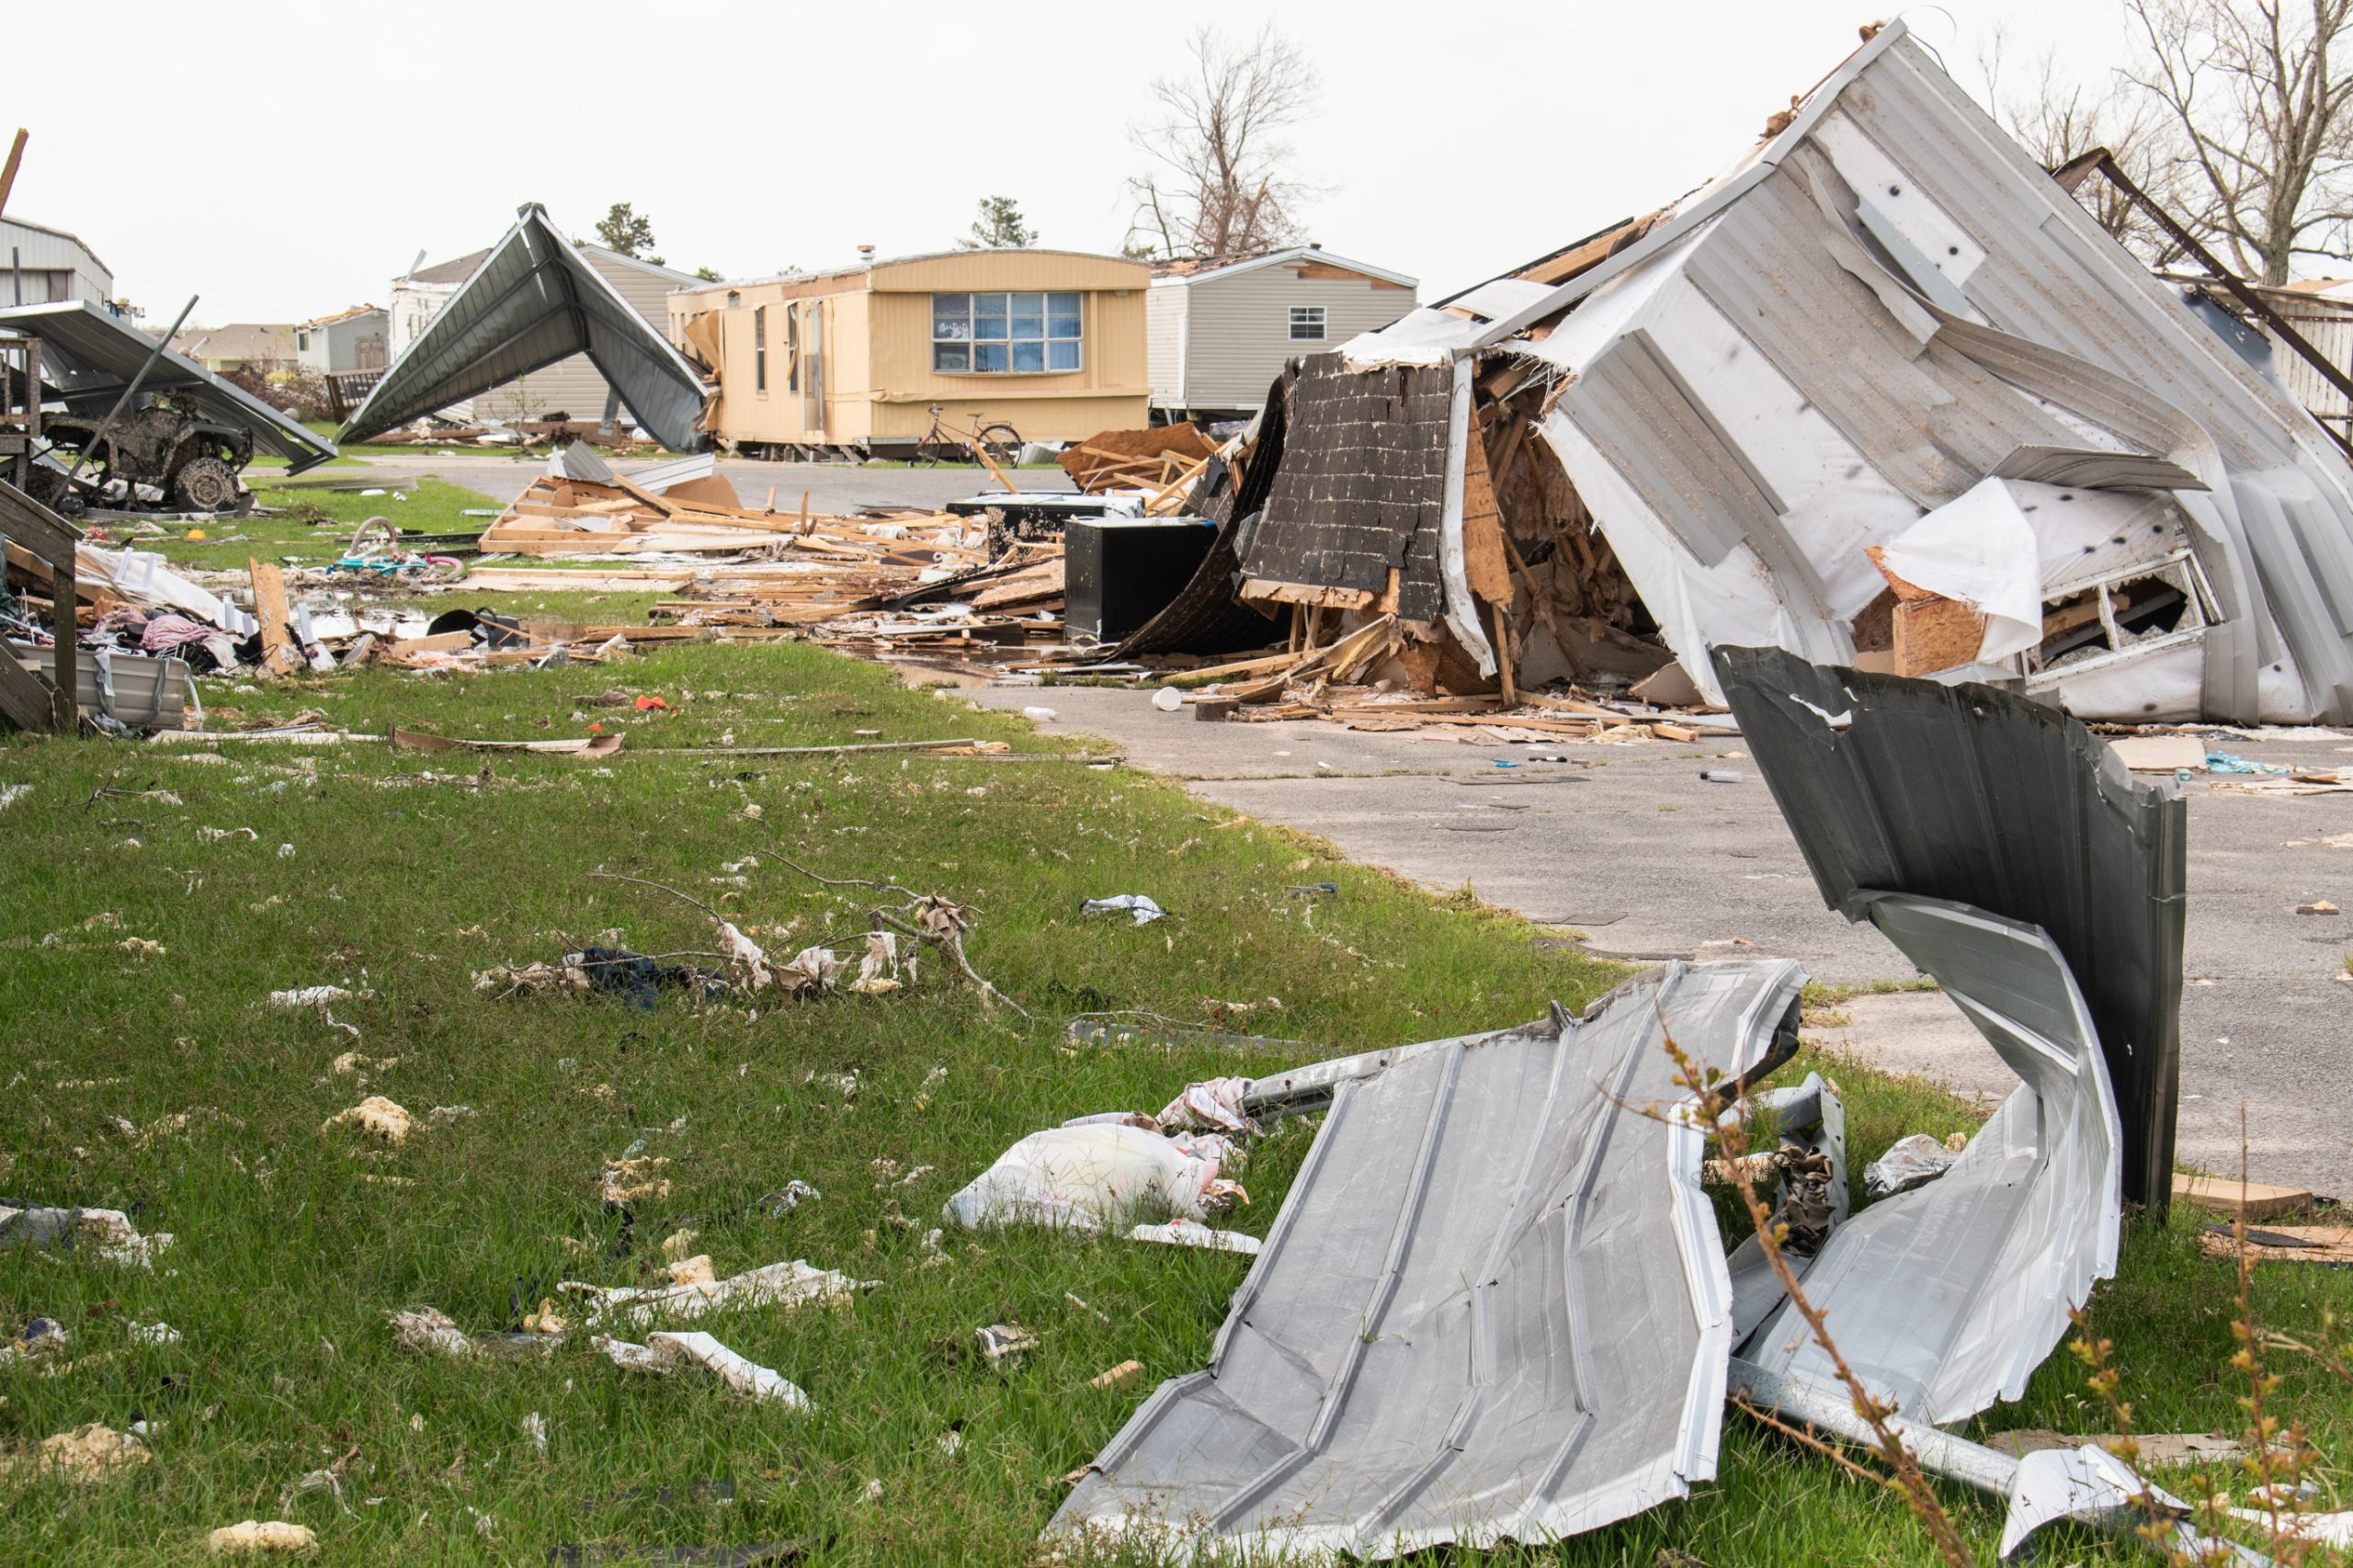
x=2264, y=116
x=1221, y=186
x=2056, y=118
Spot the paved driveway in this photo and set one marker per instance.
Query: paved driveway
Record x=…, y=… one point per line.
x=1626, y=843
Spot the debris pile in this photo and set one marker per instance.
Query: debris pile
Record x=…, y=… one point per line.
x=1164, y=461
x=1459, y=1190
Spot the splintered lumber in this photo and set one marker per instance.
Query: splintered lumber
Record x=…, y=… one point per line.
x=279, y=656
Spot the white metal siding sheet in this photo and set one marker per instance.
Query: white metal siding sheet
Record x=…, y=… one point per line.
x=1165, y=312
x=2329, y=328
x=1239, y=334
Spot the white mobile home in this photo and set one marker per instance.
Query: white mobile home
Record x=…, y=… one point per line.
x=1219, y=332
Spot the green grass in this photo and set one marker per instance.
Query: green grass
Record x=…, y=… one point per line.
x=409, y=872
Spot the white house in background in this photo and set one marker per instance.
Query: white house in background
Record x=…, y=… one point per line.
x=40, y=264
x=349, y=340
x=570, y=387
x=1218, y=331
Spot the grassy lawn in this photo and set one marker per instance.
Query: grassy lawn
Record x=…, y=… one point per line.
x=409, y=872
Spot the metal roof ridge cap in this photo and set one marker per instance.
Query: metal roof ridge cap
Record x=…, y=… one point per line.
x=1817, y=104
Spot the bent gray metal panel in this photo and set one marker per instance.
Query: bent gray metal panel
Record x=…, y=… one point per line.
x=1947, y=1298
x=89, y=355
x=1494, y=1306
x=533, y=300
x=1966, y=793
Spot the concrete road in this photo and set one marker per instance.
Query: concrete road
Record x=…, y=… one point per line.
x=1626, y=843
x=831, y=488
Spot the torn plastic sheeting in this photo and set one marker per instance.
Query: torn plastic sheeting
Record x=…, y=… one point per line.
x=1972, y=795
x=1946, y=1298
x=666, y=1352
x=1138, y=905
x=794, y=1284
x=1910, y=1161
x=1092, y=1176
x=1980, y=550
x=1430, y=1346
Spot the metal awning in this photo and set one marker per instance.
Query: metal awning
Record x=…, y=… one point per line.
x=88, y=355
x=533, y=300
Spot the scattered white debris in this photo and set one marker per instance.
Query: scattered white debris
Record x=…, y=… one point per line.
x=11, y=794
x=1183, y=1233
x=256, y=1536
x=1138, y=905
x=154, y=1333
x=535, y=1427
x=428, y=1329
x=664, y=1353
x=376, y=1116
x=309, y=996
x=788, y=1284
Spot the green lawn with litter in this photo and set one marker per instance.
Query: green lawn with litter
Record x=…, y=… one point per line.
x=400, y=875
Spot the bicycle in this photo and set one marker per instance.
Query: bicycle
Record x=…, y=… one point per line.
x=1000, y=444
x=375, y=548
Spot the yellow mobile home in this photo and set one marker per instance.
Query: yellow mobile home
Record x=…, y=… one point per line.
x=1049, y=342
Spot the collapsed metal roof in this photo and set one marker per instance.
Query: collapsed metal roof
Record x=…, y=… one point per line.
x=533, y=300
x=1874, y=312
x=89, y=355
x=1434, y=1344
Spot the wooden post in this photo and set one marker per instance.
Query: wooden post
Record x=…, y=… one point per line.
x=1503, y=654
x=8, y=171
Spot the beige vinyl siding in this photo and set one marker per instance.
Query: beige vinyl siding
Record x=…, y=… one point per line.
x=1240, y=327
x=879, y=379
x=1165, y=319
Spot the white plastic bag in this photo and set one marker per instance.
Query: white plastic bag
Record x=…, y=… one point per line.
x=1094, y=1178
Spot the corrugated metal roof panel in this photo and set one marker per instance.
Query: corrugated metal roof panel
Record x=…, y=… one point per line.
x=535, y=300
x=1434, y=1344
x=1982, y=798
x=90, y=354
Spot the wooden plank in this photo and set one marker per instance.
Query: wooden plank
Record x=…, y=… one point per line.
x=1315, y=594
x=8, y=172
x=1936, y=634
x=2229, y=1195
x=279, y=656
x=1485, y=565
x=37, y=527
x=26, y=701
x=2160, y=754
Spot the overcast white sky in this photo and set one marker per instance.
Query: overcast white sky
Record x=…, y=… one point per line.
x=326, y=146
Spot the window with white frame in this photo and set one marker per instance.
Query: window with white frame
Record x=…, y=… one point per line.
x=1005, y=334
x=1307, y=324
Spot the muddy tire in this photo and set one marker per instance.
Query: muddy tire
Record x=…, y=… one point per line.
x=204, y=484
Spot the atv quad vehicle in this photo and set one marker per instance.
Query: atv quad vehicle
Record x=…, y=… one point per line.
x=153, y=457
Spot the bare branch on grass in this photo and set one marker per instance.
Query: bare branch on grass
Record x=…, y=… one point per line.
x=1709, y=1105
